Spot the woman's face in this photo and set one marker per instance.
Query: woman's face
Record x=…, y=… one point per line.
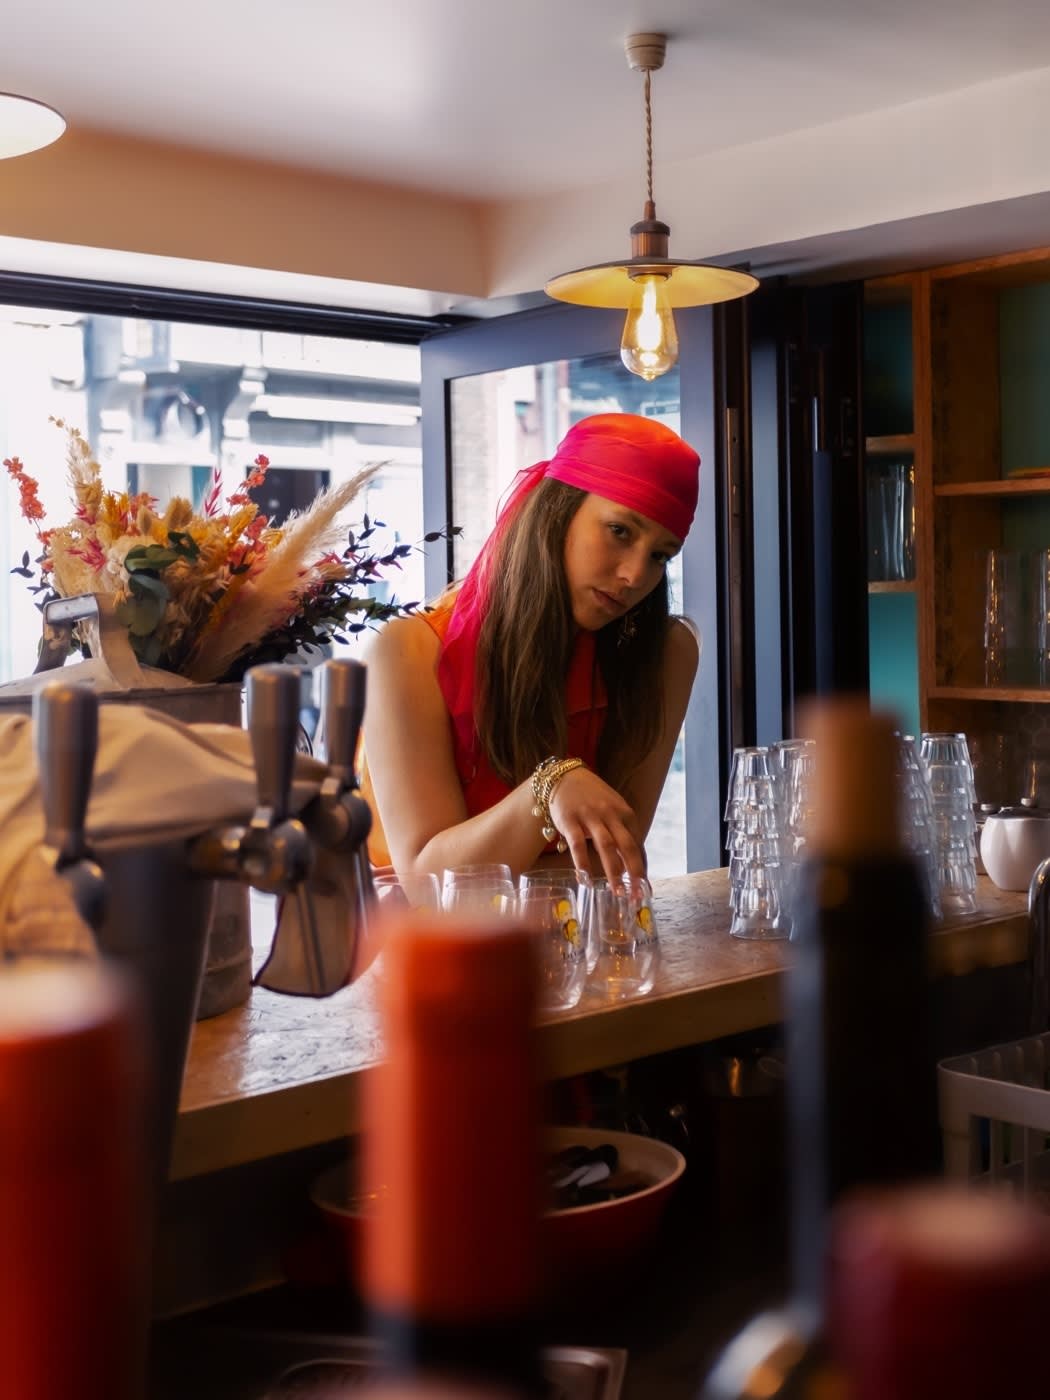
x=614, y=558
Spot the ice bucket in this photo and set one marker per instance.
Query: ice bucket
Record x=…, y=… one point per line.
x=117, y=678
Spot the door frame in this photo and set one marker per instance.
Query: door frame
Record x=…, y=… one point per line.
x=558, y=332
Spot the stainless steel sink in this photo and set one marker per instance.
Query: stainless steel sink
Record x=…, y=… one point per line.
x=235, y=1364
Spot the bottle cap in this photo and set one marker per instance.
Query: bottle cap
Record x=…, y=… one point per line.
x=854, y=806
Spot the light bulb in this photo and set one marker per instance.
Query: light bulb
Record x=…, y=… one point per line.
x=650, y=342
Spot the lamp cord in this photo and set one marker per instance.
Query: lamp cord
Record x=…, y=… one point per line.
x=649, y=133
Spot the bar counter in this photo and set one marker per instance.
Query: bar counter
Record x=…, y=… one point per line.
x=282, y=1073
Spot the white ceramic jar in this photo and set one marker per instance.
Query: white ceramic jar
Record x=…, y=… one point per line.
x=1013, y=842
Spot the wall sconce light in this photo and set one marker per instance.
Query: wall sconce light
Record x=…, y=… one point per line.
x=26, y=125
x=649, y=285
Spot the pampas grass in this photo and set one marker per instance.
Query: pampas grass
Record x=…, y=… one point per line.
x=268, y=599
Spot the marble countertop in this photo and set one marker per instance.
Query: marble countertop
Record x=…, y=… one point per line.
x=281, y=1073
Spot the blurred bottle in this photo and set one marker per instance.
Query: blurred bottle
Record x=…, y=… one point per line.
x=862, y=1085
x=938, y=1291
x=861, y=1075
x=452, y=1153
x=74, y=1217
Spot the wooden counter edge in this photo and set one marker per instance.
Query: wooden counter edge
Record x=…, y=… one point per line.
x=306, y=1112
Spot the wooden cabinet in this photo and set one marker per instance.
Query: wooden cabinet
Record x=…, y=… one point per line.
x=980, y=443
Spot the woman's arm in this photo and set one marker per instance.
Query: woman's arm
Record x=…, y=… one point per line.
x=413, y=773
x=618, y=828
x=681, y=658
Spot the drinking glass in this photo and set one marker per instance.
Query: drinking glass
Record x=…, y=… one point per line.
x=946, y=763
x=477, y=892
x=628, y=950
x=551, y=911
x=407, y=891
x=1011, y=640
x=485, y=870
x=582, y=882
x=484, y=886
x=757, y=902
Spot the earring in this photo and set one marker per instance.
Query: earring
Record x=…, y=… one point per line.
x=628, y=628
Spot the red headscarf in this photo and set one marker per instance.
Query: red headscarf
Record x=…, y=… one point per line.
x=636, y=462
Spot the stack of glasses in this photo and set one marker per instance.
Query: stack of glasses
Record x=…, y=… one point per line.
x=768, y=815
x=949, y=772
x=916, y=817
x=793, y=771
x=755, y=842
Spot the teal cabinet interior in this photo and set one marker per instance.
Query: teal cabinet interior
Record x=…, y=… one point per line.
x=889, y=413
x=1024, y=375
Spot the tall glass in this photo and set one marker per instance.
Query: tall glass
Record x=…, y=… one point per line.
x=628, y=950
x=551, y=911
x=579, y=880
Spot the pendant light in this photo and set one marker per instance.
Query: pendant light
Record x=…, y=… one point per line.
x=26, y=125
x=649, y=285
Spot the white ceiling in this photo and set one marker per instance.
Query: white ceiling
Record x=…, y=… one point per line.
x=496, y=99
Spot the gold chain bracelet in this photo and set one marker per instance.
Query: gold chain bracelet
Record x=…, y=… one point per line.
x=545, y=778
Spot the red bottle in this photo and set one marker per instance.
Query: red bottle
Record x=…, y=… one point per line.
x=937, y=1290
x=74, y=1304
x=451, y=1153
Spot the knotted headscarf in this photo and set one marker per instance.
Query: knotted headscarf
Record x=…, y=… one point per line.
x=636, y=462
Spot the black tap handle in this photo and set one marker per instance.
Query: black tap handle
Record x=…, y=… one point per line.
x=65, y=731
x=343, y=684
x=273, y=722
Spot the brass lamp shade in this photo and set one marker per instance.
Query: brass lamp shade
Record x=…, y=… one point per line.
x=613, y=284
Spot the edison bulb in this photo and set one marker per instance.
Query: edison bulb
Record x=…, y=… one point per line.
x=650, y=342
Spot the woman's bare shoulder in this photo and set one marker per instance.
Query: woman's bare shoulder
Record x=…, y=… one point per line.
x=683, y=643
x=405, y=639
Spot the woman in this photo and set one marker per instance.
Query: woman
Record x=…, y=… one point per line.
x=557, y=646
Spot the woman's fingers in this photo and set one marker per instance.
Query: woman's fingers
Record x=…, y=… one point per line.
x=575, y=837
x=586, y=809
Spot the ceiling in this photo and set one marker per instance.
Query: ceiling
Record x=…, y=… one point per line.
x=497, y=99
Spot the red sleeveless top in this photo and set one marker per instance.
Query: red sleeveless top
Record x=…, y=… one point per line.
x=585, y=700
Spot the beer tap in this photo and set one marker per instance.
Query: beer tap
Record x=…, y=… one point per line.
x=273, y=852
x=332, y=904
x=344, y=818
x=65, y=735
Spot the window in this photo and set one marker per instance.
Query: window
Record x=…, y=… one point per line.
x=165, y=403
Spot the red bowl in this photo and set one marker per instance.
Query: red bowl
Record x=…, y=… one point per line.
x=579, y=1243
x=600, y=1240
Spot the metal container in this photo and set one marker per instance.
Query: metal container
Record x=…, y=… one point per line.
x=228, y=964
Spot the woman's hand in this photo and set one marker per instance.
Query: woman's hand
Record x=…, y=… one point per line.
x=585, y=808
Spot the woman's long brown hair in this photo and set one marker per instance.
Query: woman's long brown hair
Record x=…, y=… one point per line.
x=525, y=646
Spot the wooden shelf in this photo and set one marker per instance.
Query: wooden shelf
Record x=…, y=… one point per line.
x=896, y=585
x=891, y=445
x=1015, y=695
x=1025, y=486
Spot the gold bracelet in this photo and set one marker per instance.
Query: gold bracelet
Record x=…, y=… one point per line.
x=545, y=779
